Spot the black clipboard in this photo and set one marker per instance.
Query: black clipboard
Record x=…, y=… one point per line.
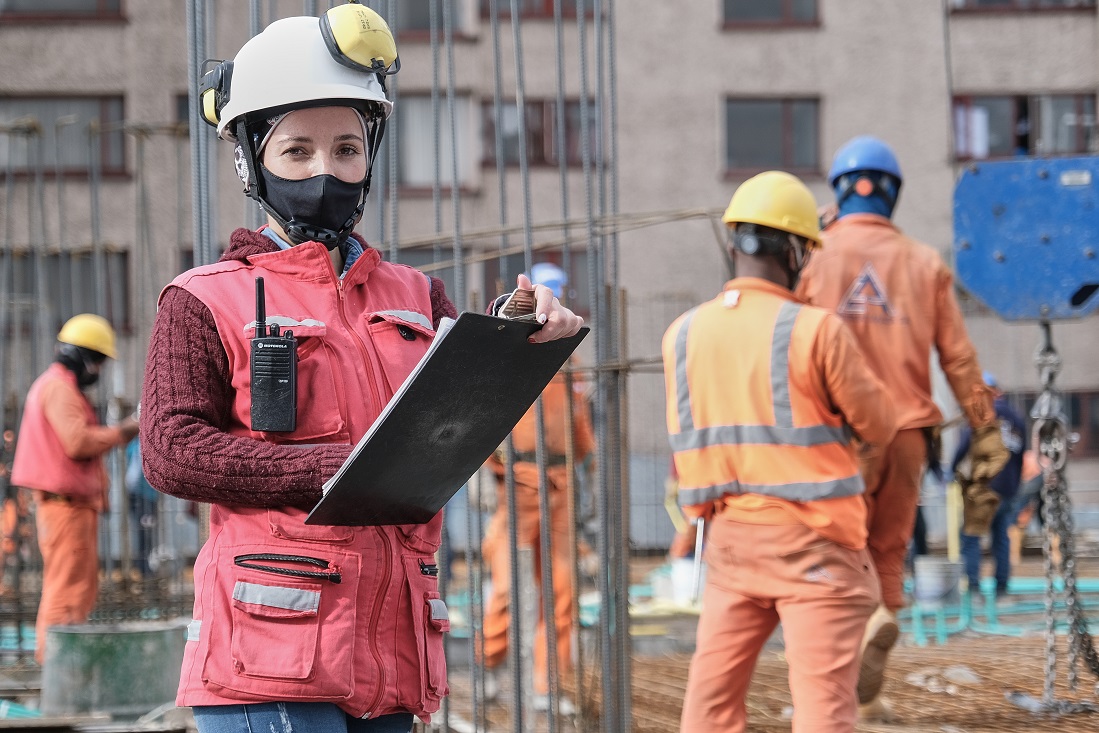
x=463, y=398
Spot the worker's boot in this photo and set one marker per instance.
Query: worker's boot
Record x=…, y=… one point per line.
x=881, y=634
x=877, y=710
x=979, y=505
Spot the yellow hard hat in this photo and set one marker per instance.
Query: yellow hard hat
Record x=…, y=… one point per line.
x=778, y=200
x=90, y=332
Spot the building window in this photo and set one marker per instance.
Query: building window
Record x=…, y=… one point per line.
x=540, y=140
x=1021, y=4
x=414, y=16
x=1082, y=411
x=533, y=8
x=783, y=12
x=70, y=278
x=62, y=134
x=1004, y=126
x=417, y=131
x=60, y=9
x=761, y=134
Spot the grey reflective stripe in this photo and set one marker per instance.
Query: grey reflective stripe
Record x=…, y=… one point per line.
x=682, y=388
x=780, y=364
x=801, y=491
x=285, y=322
x=291, y=599
x=438, y=609
x=194, y=629
x=758, y=435
x=409, y=317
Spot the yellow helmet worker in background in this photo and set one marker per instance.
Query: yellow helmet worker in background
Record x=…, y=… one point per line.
x=89, y=331
x=764, y=392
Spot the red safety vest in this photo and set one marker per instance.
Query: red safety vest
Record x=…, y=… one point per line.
x=40, y=461
x=359, y=621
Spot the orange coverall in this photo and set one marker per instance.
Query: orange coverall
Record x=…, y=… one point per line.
x=68, y=525
x=772, y=559
x=495, y=544
x=897, y=297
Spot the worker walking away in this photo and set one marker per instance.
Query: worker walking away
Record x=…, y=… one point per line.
x=495, y=546
x=764, y=396
x=1005, y=484
x=59, y=457
x=897, y=297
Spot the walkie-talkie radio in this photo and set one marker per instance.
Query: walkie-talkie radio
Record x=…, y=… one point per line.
x=274, y=362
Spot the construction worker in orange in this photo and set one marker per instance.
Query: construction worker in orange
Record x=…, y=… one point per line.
x=769, y=401
x=897, y=297
x=59, y=456
x=495, y=546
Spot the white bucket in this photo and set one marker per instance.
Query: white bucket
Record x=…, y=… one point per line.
x=937, y=582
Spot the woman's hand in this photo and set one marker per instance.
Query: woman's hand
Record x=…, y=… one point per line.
x=557, y=320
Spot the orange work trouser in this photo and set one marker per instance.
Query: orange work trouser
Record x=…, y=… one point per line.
x=893, y=476
x=70, y=566
x=496, y=551
x=758, y=575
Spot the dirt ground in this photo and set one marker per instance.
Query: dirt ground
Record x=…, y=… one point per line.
x=961, y=686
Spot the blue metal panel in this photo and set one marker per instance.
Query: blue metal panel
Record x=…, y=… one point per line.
x=1026, y=236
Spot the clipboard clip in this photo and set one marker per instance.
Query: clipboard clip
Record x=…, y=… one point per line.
x=519, y=306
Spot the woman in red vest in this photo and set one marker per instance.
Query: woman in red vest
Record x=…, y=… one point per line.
x=315, y=627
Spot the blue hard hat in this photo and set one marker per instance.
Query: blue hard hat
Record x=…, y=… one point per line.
x=990, y=379
x=550, y=275
x=864, y=153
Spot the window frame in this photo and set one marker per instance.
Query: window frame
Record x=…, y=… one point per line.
x=102, y=13
x=118, y=272
x=1032, y=101
x=785, y=20
x=964, y=7
x=546, y=113
x=544, y=10
x=107, y=141
x=786, y=164
x=468, y=140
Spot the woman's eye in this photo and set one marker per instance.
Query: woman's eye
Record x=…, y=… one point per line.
x=349, y=150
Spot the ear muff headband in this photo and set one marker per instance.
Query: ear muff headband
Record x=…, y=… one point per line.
x=213, y=91
x=358, y=38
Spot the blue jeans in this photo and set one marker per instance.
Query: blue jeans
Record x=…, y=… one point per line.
x=299, y=717
x=1001, y=548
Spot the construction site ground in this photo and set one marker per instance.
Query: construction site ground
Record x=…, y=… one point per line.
x=959, y=686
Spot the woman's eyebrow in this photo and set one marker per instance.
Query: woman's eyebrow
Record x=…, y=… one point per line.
x=349, y=136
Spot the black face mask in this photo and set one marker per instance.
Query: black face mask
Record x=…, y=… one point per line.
x=321, y=209
x=76, y=359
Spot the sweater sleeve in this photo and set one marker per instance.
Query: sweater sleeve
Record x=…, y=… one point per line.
x=441, y=307
x=185, y=406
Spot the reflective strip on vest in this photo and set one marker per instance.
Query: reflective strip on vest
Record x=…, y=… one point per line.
x=783, y=432
x=410, y=317
x=291, y=599
x=285, y=322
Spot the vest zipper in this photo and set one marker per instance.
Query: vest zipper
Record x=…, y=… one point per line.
x=375, y=613
x=374, y=391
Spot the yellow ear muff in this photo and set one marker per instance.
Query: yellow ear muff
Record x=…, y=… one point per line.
x=359, y=38
x=213, y=92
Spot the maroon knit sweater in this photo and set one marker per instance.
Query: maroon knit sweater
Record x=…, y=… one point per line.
x=186, y=403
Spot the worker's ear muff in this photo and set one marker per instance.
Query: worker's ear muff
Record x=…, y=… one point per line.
x=359, y=38
x=213, y=91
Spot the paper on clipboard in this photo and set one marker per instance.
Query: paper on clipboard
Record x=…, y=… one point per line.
x=477, y=379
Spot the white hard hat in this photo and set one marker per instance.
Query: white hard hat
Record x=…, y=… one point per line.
x=288, y=65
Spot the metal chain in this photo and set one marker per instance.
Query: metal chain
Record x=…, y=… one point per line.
x=1051, y=435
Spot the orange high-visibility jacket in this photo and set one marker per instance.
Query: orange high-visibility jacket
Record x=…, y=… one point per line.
x=764, y=394
x=897, y=297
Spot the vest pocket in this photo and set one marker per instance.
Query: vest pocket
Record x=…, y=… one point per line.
x=399, y=343
x=421, y=679
x=264, y=618
x=281, y=627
